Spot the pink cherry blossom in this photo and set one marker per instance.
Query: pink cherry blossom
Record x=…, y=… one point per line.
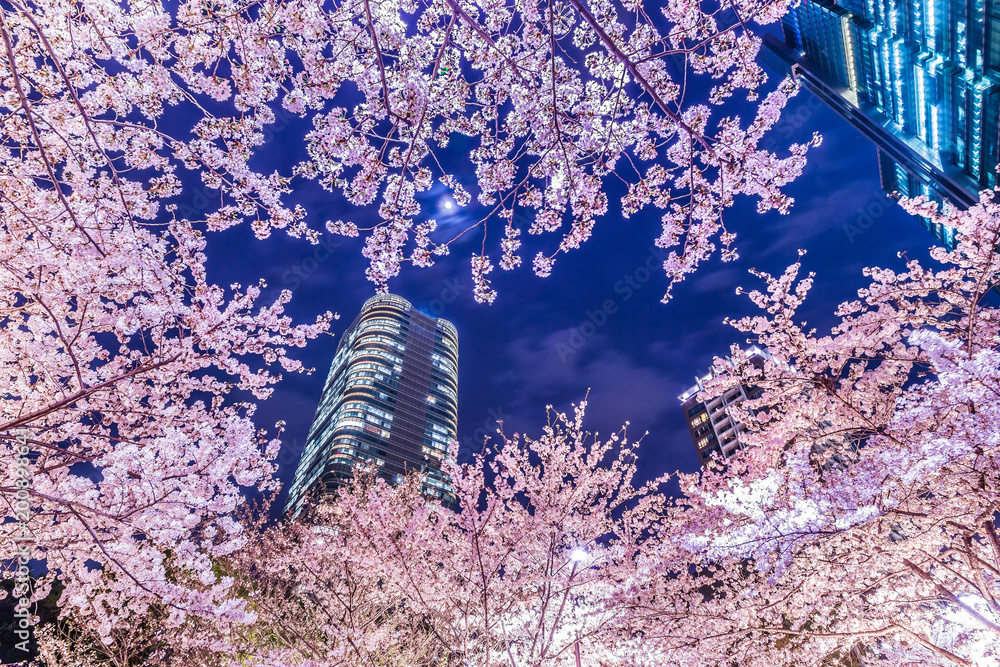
x=553, y=100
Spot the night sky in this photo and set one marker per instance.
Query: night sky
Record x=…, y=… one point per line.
x=597, y=322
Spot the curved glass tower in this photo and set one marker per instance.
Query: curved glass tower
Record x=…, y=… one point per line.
x=391, y=399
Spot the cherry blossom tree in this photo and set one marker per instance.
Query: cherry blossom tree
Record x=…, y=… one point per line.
x=118, y=360
x=124, y=451
x=523, y=571
x=529, y=570
x=133, y=641
x=545, y=101
x=320, y=594
x=862, y=520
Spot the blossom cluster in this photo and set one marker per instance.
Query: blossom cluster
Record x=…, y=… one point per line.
x=551, y=100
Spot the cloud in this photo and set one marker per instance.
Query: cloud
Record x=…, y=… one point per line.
x=620, y=390
x=644, y=394
x=714, y=278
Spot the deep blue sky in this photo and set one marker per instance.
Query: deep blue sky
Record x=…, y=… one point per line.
x=520, y=354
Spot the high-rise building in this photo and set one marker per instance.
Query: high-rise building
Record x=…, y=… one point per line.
x=712, y=426
x=919, y=78
x=715, y=429
x=390, y=400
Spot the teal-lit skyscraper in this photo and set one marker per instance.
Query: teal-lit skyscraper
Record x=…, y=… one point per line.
x=917, y=77
x=390, y=400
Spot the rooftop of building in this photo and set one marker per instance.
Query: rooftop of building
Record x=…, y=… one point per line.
x=752, y=352
x=386, y=297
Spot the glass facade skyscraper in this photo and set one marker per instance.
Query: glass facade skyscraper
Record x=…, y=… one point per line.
x=917, y=77
x=390, y=400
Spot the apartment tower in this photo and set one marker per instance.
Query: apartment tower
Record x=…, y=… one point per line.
x=713, y=428
x=390, y=400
